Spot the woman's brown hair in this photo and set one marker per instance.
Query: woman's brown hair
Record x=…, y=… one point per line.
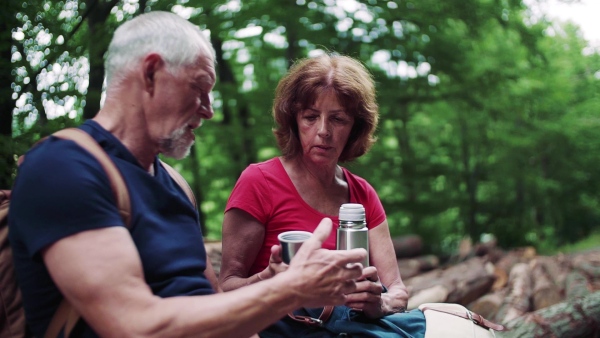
x=306, y=80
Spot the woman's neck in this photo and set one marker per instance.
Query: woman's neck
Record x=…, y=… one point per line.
x=323, y=188
x=326, y=176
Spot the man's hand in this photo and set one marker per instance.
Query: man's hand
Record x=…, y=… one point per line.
x=323, y=277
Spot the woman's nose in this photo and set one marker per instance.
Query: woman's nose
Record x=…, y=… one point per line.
x=324, y=128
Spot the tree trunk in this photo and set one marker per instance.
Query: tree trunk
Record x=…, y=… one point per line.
x=518, y=299
x=576, y=285
x=545, y=292
x=408, y=164
x=410, y=267
x=248, y=136
x=99, y=38
x=465, y=282
x=557, y=268
x=488, y=305
x=434, y=294
x=589, y=265
x=214, y=253
x=7, y=104
x=227, y=82
x=407, y=246
x=505, y=264
x=470, y=175
x=576, y=318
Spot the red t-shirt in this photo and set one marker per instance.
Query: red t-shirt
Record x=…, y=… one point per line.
x=265, y=191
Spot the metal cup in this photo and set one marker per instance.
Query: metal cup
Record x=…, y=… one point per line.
x=290, y=243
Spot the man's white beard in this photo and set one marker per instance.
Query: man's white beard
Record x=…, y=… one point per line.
x=176, y=145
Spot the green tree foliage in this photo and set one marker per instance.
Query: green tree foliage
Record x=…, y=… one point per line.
x=487, y=113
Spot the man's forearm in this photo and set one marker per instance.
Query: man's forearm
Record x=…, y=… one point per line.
x=253, y=308
x=239, y=313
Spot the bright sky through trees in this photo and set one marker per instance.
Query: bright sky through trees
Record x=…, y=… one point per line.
x=583, y=13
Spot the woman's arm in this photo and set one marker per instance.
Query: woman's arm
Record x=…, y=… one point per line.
x=383, y=257
x=243, y=236
x=383, y=270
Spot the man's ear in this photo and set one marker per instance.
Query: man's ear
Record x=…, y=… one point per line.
x=151, y=64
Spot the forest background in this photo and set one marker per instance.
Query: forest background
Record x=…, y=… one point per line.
x=489, y=113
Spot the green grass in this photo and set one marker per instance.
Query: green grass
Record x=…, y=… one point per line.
x=591, y=242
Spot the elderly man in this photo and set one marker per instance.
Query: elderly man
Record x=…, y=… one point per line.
x=152, y=279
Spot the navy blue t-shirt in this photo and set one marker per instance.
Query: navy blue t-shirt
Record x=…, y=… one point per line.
x=61, y=190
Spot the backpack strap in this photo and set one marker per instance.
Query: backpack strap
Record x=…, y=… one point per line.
x=209, y=271
x=65, y=316
x=117, y=183
x=176, y=176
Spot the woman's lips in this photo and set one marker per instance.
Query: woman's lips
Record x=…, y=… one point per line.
x=323, y=147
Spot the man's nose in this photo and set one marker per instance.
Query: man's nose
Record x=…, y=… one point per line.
x=206, y=111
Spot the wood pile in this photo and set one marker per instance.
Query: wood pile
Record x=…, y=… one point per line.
x=213, y=250
x=531, y=294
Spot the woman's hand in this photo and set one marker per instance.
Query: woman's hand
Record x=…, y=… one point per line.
x=367, y=297
x=276, y=264
x=370, y=299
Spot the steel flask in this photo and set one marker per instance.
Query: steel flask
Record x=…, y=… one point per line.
x=352, y=231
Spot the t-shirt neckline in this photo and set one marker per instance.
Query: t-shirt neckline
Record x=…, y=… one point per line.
x=291, y=185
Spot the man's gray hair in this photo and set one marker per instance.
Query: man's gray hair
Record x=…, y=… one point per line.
x=179, y=42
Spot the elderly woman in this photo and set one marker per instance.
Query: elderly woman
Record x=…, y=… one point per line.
x=326, y=113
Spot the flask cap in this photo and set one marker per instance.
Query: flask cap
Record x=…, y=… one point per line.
x=352, y=212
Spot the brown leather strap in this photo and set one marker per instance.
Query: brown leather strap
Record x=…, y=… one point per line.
x=117, y=184
x=176, y=176
x=65, y=316
x=323, y=317
x=87, y=142
x=72, y=319
x=58, y=320
x=476, y=318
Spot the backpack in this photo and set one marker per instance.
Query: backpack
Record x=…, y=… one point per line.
x=12, y=315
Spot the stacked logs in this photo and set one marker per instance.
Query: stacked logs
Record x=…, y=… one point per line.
x=533, y=295
x=214, y=253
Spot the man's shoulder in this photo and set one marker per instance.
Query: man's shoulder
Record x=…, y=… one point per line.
x=49, y=153
x=53, y=167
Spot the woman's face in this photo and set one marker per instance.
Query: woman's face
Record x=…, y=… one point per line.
x=324, y=129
